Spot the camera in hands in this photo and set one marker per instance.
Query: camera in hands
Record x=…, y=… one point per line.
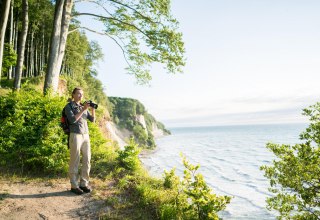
x=92, y=104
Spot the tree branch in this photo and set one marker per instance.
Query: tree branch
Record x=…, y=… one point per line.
x=115, y=19
x=133, y=9
x=100, y=33
x=69, y=32
x=94, y=2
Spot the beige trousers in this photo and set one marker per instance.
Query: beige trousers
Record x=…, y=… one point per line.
x=79, y=143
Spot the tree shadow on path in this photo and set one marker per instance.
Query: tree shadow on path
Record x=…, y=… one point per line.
x=39, y=195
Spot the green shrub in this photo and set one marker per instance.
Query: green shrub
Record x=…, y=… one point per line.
x=170, y=198
x=140, y=135
x=103, y=154
x=171, y=181
x=128, y=158
x=31, y=139
x=295, y=174
x=30, y=136
x=199, y=202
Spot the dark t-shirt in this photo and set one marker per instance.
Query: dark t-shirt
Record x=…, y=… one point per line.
x=80, y=126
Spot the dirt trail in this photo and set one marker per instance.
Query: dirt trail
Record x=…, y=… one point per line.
x=46, y=200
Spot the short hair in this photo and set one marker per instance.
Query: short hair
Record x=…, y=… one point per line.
x=75, y=89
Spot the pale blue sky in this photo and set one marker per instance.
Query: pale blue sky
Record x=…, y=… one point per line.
x=248, y=62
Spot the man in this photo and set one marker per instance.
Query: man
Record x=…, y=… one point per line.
x=79, y=142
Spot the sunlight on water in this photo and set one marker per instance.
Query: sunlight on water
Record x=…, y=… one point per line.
x=230, y=158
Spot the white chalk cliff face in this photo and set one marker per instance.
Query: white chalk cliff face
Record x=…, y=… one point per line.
x=122, y=136
x=142, y=121
x=156, y=132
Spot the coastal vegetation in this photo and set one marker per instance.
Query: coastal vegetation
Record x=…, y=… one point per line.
x=31, y=142
x=44, y=49
x=126, y=113
x=295, y=173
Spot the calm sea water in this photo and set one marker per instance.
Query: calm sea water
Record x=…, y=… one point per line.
x=229, y=158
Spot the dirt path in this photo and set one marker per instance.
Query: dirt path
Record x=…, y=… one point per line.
x=46, y=200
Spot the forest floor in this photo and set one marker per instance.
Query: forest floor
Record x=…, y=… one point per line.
x=51, y=199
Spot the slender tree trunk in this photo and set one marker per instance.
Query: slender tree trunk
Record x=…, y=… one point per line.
x=36, y=59
x=15, y=42
x=22, y=44
x=58, y=43
x=26, y=57
x=4, y=13
x=66, y=17
x=11, y=37
x=31, y=62
x=42, y=53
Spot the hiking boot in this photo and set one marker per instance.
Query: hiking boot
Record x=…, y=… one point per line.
x=77, y=191
x=85, y=189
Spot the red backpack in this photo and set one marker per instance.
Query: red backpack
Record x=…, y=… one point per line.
x=64, y=124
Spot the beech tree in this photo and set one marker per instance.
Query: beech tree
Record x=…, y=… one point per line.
x=4, y=13
x=59, y=35
x=145, y=31
x=22, y=43
x=295, y=174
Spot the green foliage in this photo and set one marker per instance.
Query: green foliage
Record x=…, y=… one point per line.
x=128, y=158
x=151, y=121
x=171, y=181
x=76, y=58
x=9, y=57
x=140, y=134
x=81, y=55
x=170, y=198
x=201, y=202
x=294, y=175
x=125, y=112
x=31, y=139
x=147, y=33
x=103, y=154
x=30, y=136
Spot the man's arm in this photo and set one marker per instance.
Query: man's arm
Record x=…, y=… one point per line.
x=92, y=116
x=73, y=118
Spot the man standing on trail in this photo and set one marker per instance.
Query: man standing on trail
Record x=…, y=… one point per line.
x=79, y=142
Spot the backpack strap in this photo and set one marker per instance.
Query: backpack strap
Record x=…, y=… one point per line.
x=68, y=122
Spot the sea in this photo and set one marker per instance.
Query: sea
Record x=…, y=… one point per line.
x=230, y=158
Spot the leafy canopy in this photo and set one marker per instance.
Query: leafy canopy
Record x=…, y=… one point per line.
x=146, y=32
x=295, y=174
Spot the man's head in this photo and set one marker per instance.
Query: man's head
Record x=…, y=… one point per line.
x=77, y=94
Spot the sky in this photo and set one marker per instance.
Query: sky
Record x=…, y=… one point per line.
x=248, y=62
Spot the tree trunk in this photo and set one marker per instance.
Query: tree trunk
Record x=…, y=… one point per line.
x=26, y=58
x=11, y=37
x=15, y=43
x=36, y=58
x=58, y=43
x=4, y=13
x=42, y=53
x=22, y=44
x=66, y=17
x=31, y=62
